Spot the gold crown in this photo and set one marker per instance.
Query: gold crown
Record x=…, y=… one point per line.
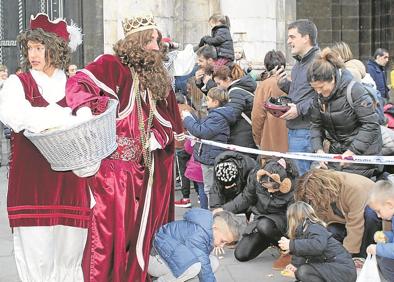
x=138, y=23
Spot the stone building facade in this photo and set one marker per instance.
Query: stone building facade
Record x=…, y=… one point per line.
x=258, y=25
x=365, y=24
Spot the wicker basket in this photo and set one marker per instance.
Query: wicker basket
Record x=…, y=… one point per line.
x=79, y=146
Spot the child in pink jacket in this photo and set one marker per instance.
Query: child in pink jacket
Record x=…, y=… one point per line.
x=194, y=173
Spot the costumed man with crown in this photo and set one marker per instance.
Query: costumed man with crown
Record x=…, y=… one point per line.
x=48, y=210
x=133, y=187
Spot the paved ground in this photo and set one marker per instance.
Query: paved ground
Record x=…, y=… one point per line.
x=230, y=270
x=8, y=272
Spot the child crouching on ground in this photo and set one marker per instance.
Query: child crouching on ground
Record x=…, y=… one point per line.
x=317, y=256
x=381, y=200
x=181, y=249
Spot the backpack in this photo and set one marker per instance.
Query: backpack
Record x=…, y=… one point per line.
x=374, y=94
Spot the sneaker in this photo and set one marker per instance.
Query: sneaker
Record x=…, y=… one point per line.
x=281, y=262
x=183, y=203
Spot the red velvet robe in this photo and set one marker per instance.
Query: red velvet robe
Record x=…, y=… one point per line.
x=38, y=195
x=120, y=185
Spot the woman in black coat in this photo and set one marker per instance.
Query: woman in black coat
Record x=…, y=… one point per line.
x=231, y=172
x=351, y=128
x=241, y=94
x=317, y=256
x=268, y=193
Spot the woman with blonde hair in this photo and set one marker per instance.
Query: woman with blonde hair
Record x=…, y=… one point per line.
x=352, y=129
x=340, y=199
x=316, y=255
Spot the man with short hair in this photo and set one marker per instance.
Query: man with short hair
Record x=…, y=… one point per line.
x=302, y=40
x=376, y=68
x=206, y=57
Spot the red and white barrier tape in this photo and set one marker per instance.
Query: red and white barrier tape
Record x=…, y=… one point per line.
x=386, y=160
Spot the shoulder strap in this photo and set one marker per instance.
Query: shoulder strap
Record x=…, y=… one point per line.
x=349, y=93
x=239, y=88
x=245, y=117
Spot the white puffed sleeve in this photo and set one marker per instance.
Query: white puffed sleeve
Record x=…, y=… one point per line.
x=17, y=112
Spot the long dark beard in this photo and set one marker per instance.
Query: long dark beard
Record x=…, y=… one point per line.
x=150, y=69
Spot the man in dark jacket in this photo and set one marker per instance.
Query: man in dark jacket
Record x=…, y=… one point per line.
x=230, y=177
x=206, y=57
x=302, y=39
x=376, y=68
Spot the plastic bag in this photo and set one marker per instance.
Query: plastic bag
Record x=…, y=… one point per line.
x=369, y=272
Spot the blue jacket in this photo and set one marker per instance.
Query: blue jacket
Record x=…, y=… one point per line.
x=215, y=127
x=387, y=250
x=184, y=242
x=301, y=92
x=379, y=76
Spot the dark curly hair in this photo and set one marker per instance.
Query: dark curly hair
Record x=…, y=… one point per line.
x=147, y=64
x=57, y=52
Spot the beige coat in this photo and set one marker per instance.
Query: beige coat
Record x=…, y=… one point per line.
x=269, y=132
x=352, y=202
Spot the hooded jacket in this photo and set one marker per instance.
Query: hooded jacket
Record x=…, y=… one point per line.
x=183, y=243
x=241, y=100
x=214, y=127
x=221, y=39
x=262, y=202
x=244, y=163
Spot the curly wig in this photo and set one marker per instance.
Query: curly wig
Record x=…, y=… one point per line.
x=319, y=188
x=147, y=64
x=57, y=52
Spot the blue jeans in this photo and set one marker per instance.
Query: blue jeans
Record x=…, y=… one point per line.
x=202, y=195
x=300, y=141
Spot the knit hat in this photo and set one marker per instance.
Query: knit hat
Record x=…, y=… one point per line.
x=226, y=173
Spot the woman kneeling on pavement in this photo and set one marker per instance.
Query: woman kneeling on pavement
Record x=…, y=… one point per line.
x=342, y=113
x=269, y=192
x=340, y=199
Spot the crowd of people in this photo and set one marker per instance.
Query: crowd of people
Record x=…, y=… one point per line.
x=114, y=221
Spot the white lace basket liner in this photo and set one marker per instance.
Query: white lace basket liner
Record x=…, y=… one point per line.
x=80, y=146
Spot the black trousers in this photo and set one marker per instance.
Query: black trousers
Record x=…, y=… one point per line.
x=307, y=273
x=251, y=245
x=183, y=158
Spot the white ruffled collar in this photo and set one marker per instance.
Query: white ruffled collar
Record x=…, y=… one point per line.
x=52, y=88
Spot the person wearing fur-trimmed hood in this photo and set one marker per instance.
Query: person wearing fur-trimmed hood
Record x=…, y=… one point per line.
x=269, y=192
